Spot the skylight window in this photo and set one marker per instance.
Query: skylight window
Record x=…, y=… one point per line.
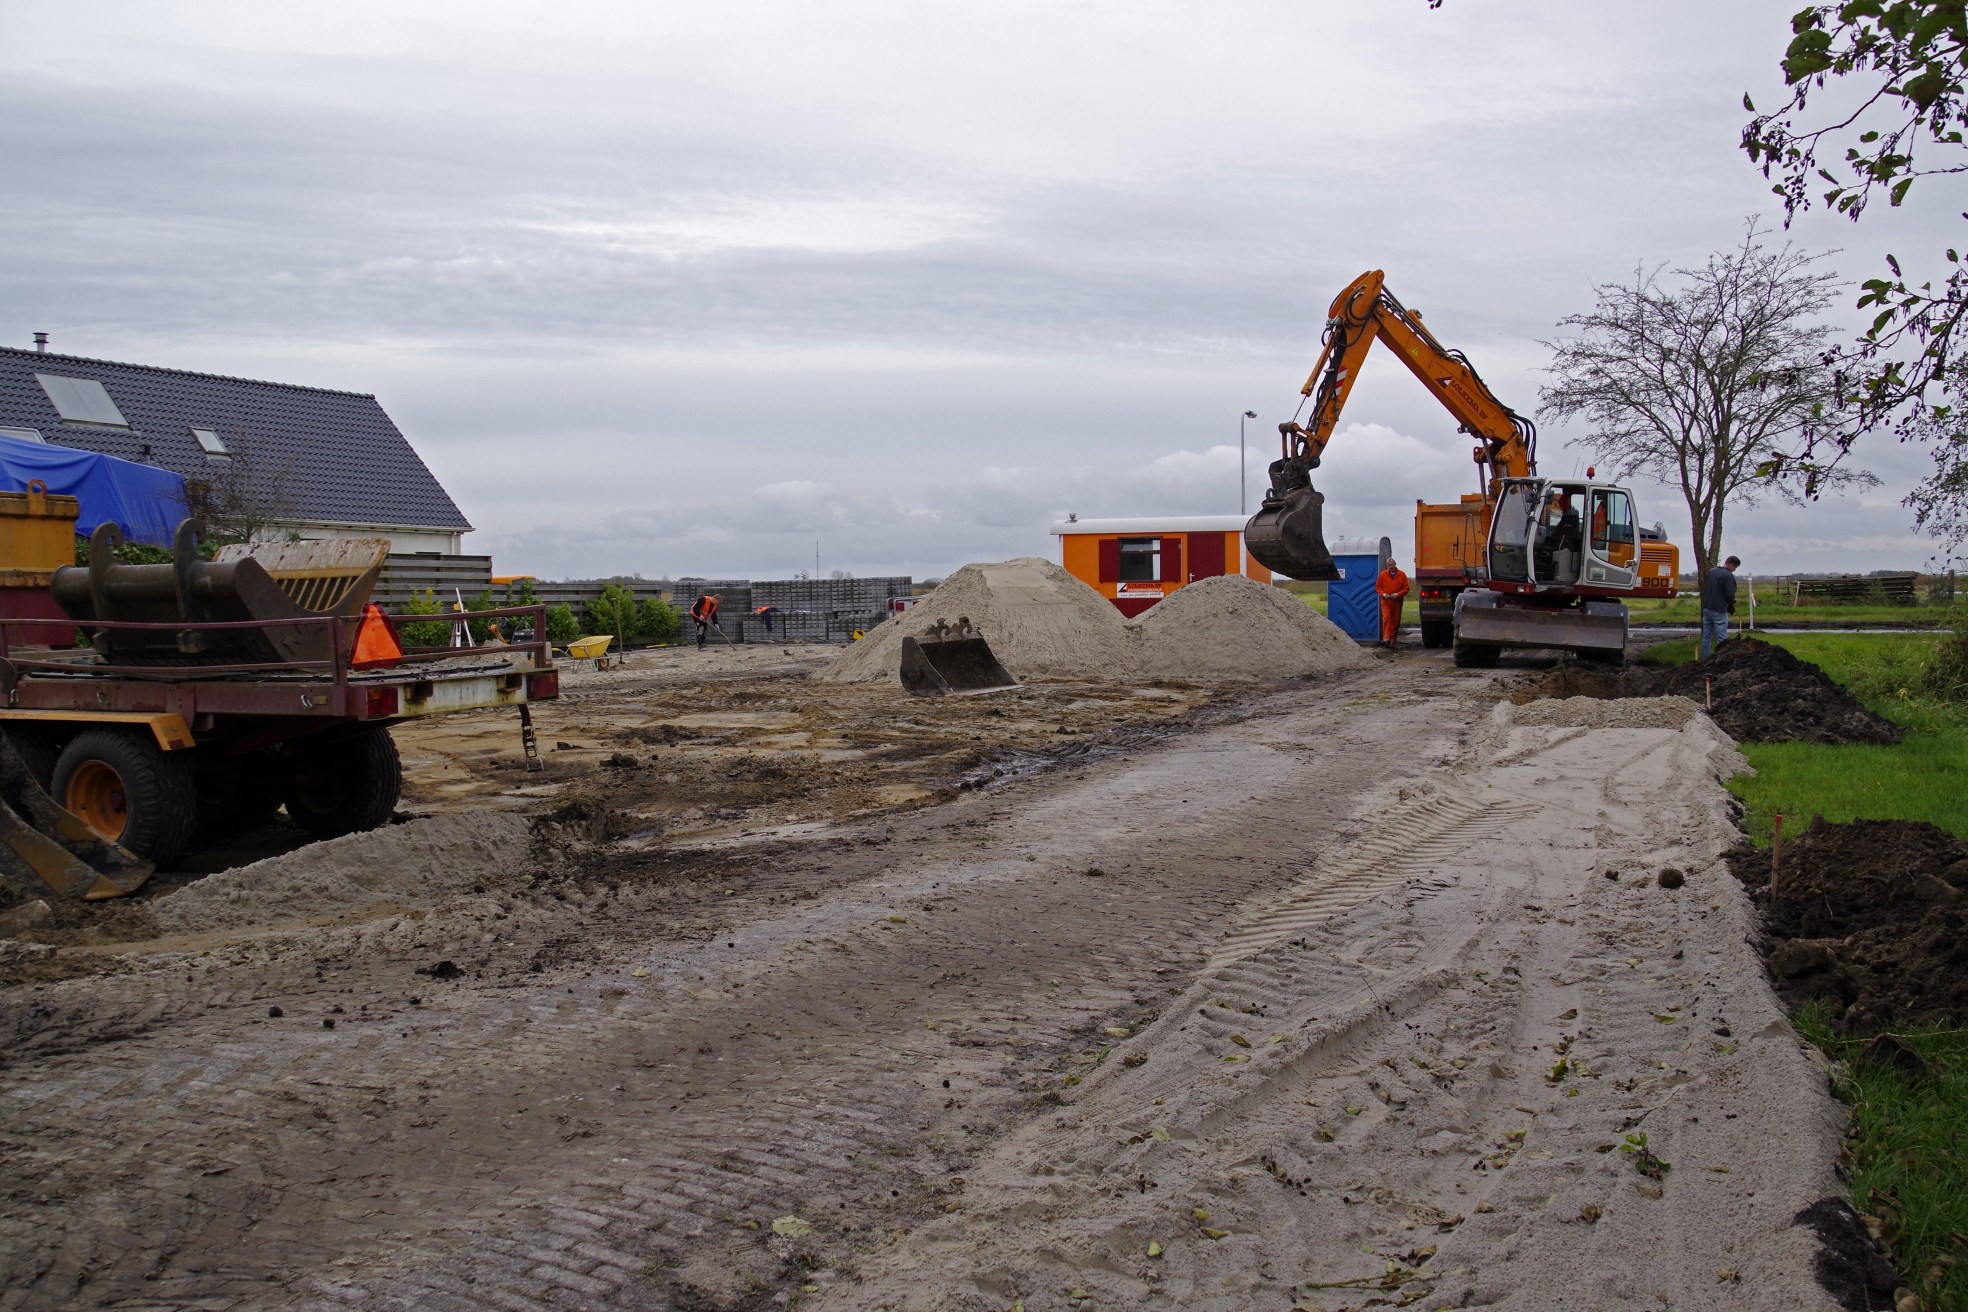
x=24, y=435
x=81, y=401
x=209, y=439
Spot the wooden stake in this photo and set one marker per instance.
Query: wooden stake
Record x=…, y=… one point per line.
x=1708, y=693
x=1776, y=856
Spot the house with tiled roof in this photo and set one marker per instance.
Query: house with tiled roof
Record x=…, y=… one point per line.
x=329, y=464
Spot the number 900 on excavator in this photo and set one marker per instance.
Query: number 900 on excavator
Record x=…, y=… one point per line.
x=1521, y=562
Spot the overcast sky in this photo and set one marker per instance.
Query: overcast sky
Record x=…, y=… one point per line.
x=685, y=289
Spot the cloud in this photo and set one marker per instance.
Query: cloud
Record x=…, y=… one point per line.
x=680, y=289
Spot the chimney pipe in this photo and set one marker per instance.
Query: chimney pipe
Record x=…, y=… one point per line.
x=41, y=342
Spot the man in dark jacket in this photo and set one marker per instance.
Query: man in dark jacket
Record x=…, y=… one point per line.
x=1718, y=604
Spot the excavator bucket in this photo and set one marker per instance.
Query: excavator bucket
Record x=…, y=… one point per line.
x=1288, y=533
x=40, y=840
x=932, y=668
x=269, y=582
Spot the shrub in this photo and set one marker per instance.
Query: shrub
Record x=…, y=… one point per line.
x=482, y=629
x=1947, y=672
x=613, y=612
x=562, y=627
x=657, y=620
x=424, y=633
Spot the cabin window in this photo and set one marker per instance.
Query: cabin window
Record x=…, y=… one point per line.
x=1141, y=560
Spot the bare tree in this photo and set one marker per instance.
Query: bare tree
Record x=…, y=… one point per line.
x=1708, y=380
x=240, y=499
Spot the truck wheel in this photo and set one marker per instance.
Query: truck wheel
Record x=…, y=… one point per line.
x=344, y=787
x=1438, y=633
x=129, y=790
x=1476, y=655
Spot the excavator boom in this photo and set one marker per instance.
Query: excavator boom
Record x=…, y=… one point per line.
x=1288, y=532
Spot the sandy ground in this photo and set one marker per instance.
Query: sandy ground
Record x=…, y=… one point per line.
x=1213, y=1001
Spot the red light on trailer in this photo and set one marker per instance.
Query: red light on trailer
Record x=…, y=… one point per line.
x=543, y=687
x=1590, y=472
x=381, y=703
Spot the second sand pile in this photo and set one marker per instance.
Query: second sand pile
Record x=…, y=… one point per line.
x=1231, y=627
x=1043, y=623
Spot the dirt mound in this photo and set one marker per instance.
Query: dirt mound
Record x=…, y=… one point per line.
x=406, y=863
x=1762, y=694
x=1041, y=621
x=1232, y=627
x=1869, y=916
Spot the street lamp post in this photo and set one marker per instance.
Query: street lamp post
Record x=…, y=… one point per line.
x=1243, y=478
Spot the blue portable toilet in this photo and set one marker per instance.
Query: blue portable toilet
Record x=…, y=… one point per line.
x=1350, y=599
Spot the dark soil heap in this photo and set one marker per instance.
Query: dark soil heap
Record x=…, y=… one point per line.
x=1869, y=916
x=1762, y=694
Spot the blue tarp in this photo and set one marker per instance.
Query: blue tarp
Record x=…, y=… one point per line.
x=142, y=500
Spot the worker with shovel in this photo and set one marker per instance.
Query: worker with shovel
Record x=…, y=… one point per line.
x=704, y=613
x=1392, y=589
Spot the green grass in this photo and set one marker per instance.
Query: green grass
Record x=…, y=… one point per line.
x=1687, y=610
x=1909, y=1152
x=1924, y=778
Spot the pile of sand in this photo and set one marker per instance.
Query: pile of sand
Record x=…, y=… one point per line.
x=1043, y=623
x=1040, y=621
x=1232, y=627
x=397, y=863
x=1597, y=713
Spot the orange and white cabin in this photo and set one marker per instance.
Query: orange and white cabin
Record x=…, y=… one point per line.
x=1136, y=562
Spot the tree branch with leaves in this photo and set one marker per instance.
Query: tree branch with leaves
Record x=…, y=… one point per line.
x=1707, y=380
x=1895, y=70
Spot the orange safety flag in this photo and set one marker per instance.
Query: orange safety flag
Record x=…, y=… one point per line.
x=376, y=646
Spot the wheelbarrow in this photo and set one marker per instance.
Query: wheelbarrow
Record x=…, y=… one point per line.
x=593, y=648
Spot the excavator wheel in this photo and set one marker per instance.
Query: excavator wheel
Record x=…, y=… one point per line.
x=126, y=788
x=346, y=786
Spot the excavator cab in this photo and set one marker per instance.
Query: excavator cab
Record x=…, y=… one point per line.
x=1288, y=533
x=1554, y=533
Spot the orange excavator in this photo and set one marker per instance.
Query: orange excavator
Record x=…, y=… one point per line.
x=1520, y=562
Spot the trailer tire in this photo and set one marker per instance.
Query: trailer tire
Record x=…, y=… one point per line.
x=237, y=798
x=344, y=787
x=129, y=790
x=1438, y=633
x=1477, y=655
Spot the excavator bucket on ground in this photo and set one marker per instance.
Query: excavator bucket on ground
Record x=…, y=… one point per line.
x=934, y=668
x=1288, y=533
x=40, y=840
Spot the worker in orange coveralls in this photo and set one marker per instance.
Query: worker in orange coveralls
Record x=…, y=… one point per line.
x=1392, y=588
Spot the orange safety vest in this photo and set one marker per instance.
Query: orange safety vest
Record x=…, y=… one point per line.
x=376, y=646
x=1391, y=583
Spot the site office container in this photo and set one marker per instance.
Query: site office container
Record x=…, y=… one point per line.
x=1134, y=563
